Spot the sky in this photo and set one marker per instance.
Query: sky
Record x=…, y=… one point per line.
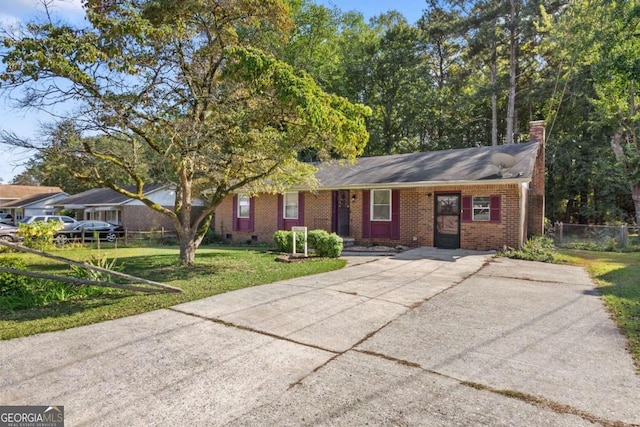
x=27, y=123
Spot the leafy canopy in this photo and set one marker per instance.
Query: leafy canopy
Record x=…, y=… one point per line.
x=183, y=92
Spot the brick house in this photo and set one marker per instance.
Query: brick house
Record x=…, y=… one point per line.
x=105, y=204
x=474, y=198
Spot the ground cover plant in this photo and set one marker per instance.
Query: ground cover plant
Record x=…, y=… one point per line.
x=537, y=248
x=616, y=275
x=28, y=307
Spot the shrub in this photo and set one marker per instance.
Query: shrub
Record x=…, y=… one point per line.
x=284, y=241
x=12, y=284
x=329, y=245
x=211, y=237
x=538, y=248
x=314, y=237
x=324, y=244
x=39, y=234
x=96, y=260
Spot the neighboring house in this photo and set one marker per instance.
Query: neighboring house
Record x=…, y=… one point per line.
x=105, y=204
x=39, y=204
x=476, y=198
x=11, y=193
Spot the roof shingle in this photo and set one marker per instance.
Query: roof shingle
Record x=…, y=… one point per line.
x=460, y=165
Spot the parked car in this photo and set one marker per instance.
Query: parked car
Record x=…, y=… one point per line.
x=6, y=218
x=48, y=218
x=8, y=233
x=85, y=230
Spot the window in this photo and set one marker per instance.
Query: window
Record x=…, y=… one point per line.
x=112, y=217
x=381, y=205
x=244, y=204
x=481, y=207
x=290, y=201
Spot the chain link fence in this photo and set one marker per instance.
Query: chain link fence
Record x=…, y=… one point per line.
x=604, y=236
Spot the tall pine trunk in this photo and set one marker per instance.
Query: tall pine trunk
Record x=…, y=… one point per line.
x=513, y=68
x=494, y=95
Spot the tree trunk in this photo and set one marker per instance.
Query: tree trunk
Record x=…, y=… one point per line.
x=494, y=96
x=635, y=194
x=186, y=230
x=513, y=68
x=618, y=150
x=188, y=248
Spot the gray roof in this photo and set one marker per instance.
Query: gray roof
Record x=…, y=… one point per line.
x=446, y=166
x=104, y=196
x=26, y=201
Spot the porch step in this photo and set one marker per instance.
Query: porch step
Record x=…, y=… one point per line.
x=348, y=241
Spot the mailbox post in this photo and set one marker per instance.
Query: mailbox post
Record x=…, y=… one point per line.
x=300, y=230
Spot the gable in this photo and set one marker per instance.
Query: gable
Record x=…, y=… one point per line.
x=37, y=200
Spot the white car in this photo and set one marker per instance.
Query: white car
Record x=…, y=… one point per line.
x=66, y=220
x=8, y=233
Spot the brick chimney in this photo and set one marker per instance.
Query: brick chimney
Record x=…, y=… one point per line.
x=535, y=209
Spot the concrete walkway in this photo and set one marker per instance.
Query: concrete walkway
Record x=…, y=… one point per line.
x=427, y=337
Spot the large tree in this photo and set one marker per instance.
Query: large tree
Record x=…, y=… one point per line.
x=597, y=43
x=189, y=86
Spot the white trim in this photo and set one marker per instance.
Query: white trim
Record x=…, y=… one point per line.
x=390, y=205
x=394, y=185
x=243, y=196
x=284, y=204
x=473, y=208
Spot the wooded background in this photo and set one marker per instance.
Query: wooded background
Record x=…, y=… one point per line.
x=475, y=73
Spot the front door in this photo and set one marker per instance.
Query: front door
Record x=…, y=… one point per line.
x=447, y=218
x=344, y=213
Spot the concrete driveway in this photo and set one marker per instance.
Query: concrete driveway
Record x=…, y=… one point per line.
x=428, y=337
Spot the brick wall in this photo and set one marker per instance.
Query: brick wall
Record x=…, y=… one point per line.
x=417, y=210
x=317, y=210
x=482, y=235
x=143, y=218
x=265, y=219
x=417, y=207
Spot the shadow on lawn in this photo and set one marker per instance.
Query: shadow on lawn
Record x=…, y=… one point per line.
x=621, y=293
x=60, y=309
x=167, y=268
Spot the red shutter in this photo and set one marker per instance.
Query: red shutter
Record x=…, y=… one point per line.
x=280, y=213
x=495, y=207
x=252, y=211
x=366, y=214
x=395, y=214
x=467, y=208
x=234, y=214
x=301, y=209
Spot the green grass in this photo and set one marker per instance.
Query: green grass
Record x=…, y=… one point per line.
x=618, y=278
x=216, y=271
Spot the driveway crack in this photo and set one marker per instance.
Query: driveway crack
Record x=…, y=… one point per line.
x=541, y=402
x=256, y=331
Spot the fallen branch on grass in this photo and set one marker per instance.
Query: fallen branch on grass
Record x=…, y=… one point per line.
x=88, y=266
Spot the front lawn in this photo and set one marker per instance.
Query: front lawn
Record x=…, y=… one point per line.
x=618, y=278
x=217, y=270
